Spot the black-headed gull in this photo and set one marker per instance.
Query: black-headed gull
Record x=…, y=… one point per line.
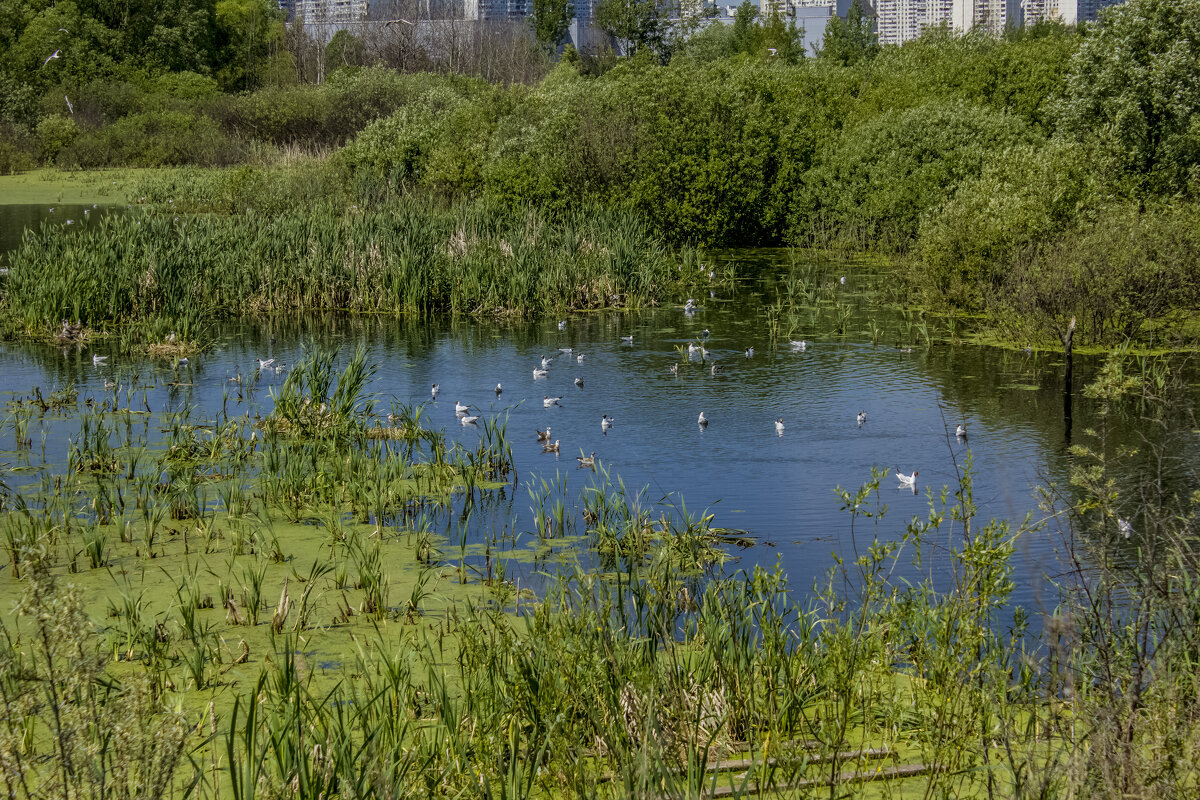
x=461, y=408
x=499, y=389
x=550, y=447
x=548, y=401
x=907, y=480
x=433, y=390
x=605, y=423
x=579, y=382
x=540, y=373
x=862, y=417
x=587, y=461
x=702, y=421
x=961, y=431
x=801, y=345
x=470, y=420
x=544, y=436
x=98, y=360
x=779, y=425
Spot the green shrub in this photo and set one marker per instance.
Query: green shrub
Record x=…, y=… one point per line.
x=154, y=139
x=54, y=134
x=875, y=182
x=1024, y=194
x=12, y=158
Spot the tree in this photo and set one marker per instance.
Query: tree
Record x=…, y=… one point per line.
x=850, y=40
x=636, y=22
x=550, y=20
x=1133, y=93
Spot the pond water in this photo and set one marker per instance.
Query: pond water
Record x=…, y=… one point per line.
x=776, y=486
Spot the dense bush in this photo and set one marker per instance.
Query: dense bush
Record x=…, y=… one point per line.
x=154, y=139
x=1023, y=195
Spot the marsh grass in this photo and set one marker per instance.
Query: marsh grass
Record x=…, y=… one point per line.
x=156, y=276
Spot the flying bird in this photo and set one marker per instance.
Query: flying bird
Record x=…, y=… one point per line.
x=51, y=57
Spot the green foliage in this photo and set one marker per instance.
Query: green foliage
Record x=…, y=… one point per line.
x=882, y=175
x=345, y=50
x=1126, y=269
x=55, y=134
x=153, y=139
x=13, y=158
x=1024, y=194
x=1134, y=93
x=638, y=23
x=550, y=20
x=851, y=40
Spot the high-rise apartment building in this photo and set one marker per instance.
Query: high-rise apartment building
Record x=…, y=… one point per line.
x=898, y=21
x=330, y=12
x=1069, y=12
x=993, y=16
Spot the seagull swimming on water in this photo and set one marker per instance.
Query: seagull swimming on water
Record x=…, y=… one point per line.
x=587, y=461
x=605, y=423
x=779, y=426
x=548, y=401
x=702, y=421
x=907, y=480
x=627, y=339
x=550, y=447
x=579, y=382
x=546, y=362
x=540, y=373
x=749, y=352
x=562, y=324
x=98, y=360
x=961, y=431
x=543, y=436
x=262, y=364
x=460, y=408
x=801, y=345
x=579, y=358
x=862, y=417
x=499, y=389
x=433, y=390
x=469, y=420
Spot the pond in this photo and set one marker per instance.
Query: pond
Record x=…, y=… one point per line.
x=776, y=486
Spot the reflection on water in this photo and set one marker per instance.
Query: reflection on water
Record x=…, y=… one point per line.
x=776, y=484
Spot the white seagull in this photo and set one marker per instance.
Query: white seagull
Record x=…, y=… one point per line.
x=862, y=417
x=433, y=390
x=263, y=364
x=548, y=401
x=907, y=480
x=546, y=362
x=499, y=389
x=961, y=431
x=51, y=57
x=470, y=420
x=779, y=425
x=459, y=408
x=579, y=358
x=749, y=352
x=540, y=373
x=703, y=420
x=800, y=345
x=543, y=436
x=98, y=360
x=562, y=324
x=1125, y=527
x=579, y=382
x=627, y=339
x=606, y=423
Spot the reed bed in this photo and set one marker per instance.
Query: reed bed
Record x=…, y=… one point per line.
x=157, y=272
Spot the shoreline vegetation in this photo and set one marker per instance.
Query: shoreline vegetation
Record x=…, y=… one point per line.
x=288, y=607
